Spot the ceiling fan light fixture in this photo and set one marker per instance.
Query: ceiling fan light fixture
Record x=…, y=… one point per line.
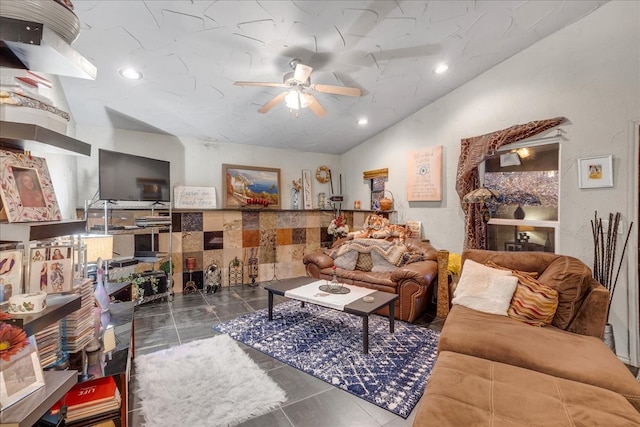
x=130, y=73
x=441, y=68
x=296, y=100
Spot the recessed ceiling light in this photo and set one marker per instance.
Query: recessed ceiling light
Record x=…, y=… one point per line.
x=362, y=122
x=130, y=73
x=441, y=68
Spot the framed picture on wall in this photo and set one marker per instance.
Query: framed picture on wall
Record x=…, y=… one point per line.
x=251, y=186
x=595, y=172
x=26, y=189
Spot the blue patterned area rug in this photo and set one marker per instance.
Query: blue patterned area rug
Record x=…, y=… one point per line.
x=328, y=345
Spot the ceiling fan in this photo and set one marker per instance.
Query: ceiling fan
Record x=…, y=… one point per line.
x=298, y=83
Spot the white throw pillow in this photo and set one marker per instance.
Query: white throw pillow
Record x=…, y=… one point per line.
x=484, y=288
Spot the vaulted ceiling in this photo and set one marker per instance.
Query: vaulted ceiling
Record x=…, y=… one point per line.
x=191, y=52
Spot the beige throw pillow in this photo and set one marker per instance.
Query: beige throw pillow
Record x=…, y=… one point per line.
x=484, y=288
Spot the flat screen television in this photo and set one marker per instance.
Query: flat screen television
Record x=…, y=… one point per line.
x=126, y=177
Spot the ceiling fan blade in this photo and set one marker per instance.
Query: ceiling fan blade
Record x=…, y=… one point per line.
x=275, y=101
x=302, y=72
x=337, y=90
x=317, y=109
x=264, y=84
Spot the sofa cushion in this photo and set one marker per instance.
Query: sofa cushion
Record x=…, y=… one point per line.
x=548, y=349
x=364, y=262
x=570, y=277
x=533, y=302
x=464, y=390
x=484, y=288
x=347, y=260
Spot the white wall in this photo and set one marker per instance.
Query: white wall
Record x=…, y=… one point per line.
x=589, y=73
x=197, y=163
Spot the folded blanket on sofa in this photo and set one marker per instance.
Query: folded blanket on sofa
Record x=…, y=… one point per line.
x=382, y=251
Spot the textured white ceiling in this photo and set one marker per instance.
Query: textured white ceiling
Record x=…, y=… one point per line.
x=191, y=52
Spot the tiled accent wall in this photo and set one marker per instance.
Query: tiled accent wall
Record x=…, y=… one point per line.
x=277, y=238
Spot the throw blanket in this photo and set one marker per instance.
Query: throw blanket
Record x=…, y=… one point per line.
x=388, y=250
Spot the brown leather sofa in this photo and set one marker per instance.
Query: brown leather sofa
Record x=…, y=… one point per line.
x=496, y=371
x=412, y=282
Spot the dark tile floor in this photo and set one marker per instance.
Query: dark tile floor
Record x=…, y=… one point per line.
x=310, y=402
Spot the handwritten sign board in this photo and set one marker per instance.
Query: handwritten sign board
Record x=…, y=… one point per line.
x=424, y=175
x=194, y=197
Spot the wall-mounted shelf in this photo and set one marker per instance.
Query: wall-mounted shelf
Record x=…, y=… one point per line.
x=30, y=137
x=41, y=49
x=28, y=231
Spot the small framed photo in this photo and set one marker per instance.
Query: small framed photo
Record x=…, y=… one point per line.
x=251, y=185
x=10, y=273
x=26, y=189
x=51, y=269
x=21, y=374
x=595, y=172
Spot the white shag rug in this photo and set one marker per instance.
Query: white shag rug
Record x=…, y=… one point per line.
x=210, y=382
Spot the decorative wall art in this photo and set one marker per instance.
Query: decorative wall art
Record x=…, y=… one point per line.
x=595, y=172
x=424, y=175
x=21, y=374
x=194, y=197
x=10, y=273
x=306, y=189
x=51, y=269
x=249, y=186
x=26, y=190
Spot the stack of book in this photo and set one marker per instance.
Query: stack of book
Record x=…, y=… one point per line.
x=81, y=323
x=48, y=342
x=90, y=399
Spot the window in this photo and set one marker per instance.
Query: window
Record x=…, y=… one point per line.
x=526, y=175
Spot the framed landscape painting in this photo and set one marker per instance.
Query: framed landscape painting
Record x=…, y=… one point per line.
x=26, y=190
x=251, y=186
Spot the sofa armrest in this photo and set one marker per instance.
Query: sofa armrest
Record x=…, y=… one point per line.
x=422, y=272
x=591, y=317
x=321, y=259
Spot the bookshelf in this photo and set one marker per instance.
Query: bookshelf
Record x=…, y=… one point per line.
x=27, y=411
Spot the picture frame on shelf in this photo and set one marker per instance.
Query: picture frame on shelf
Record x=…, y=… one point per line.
x=22, y=374
x=51, y=269
x=26, y=189
x=10, y=273
x=595, y=172
x=247, y=186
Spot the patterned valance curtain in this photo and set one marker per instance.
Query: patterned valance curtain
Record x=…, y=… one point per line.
x=473, y=152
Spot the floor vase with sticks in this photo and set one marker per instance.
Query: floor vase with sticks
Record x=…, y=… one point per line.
x=604, y=262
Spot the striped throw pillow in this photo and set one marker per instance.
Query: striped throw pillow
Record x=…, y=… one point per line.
x=533, y=302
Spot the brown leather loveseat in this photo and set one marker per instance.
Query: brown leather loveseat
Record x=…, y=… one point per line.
x=413, y=281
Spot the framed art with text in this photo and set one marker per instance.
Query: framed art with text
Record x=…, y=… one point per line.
x=424, y=175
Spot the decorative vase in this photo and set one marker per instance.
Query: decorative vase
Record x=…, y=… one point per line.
x=101, y=295
x=518, y=213
x=296, y=196
x=334, y=285
x=608, y=338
